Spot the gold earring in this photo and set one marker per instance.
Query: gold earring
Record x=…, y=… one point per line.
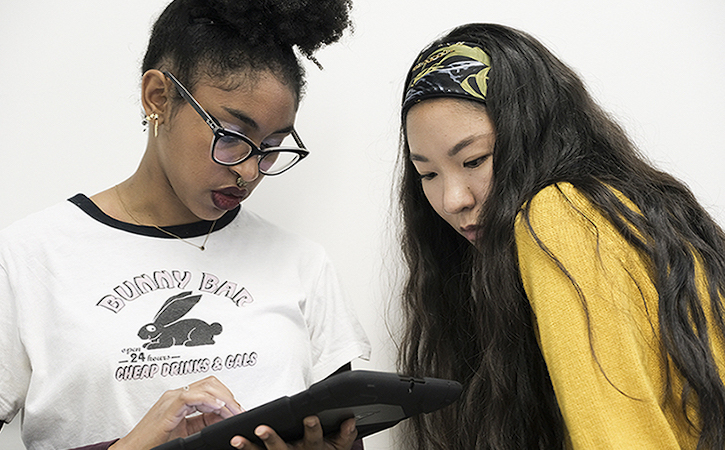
x=155, y=118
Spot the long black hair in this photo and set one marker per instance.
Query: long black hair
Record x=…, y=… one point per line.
x=196, y=38
x=467, y=315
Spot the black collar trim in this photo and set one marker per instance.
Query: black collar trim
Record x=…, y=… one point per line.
x=200, y=228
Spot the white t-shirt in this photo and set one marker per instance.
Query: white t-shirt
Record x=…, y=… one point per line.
x=98, y=318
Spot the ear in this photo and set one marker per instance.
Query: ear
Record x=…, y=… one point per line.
x=155, y=96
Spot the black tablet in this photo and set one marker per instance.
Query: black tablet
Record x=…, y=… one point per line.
x=377, y=400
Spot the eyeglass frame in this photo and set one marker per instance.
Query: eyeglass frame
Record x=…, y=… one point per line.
x=219, y=131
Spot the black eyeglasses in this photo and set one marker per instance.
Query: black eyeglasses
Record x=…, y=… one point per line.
x=230, y=148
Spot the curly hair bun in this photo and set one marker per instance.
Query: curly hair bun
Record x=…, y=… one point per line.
x=306, y=24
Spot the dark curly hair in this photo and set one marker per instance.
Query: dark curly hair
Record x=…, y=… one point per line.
x=196, y=38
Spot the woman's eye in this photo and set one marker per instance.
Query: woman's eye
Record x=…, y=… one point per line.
x=427, y=176
x=273, y=142
x=229, y=139
x=476, y=162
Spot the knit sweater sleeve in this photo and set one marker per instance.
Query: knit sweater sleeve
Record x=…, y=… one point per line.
x=595, y=312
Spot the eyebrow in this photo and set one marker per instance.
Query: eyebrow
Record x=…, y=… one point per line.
x=242, y=117
x=453, y=151
x=462, y=144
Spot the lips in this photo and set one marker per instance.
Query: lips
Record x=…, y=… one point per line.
x=470, y=232
x=228, y=198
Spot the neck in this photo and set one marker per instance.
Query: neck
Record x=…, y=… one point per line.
x=149, y=196
x=153, y=204
x=137, y=201
x=201, y=247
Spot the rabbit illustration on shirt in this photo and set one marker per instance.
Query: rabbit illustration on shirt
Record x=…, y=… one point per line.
x=167, y=329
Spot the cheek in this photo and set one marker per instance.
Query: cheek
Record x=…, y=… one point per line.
x=435, y=198
x=190, y=152
x=189, y=135
x=185, y=166
x=481, y=189
x=195, y=147
x=480, y=182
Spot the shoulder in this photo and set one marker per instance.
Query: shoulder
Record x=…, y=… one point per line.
x=49, y=219
x=557, y=205
x=260, y=236
x=561, y=222
x=51, y=228
x=558, y=197
x=561, y=218
x=560, y=206
x=258, y=226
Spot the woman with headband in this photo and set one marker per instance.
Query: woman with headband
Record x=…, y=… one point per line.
x=160, y=305
x=574, y=289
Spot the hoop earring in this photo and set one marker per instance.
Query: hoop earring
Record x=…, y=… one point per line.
x=155, y=118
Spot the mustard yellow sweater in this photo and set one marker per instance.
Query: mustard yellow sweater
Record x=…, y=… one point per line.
x=614, y=399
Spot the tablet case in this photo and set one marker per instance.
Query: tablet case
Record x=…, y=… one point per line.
x=377, y=400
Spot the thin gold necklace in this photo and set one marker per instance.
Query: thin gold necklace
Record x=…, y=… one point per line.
x=201, y=247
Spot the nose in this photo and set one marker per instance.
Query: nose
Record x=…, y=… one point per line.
x=457, y=196
x=248, y=170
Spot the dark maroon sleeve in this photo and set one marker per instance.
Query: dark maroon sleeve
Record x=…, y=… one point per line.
x=357, y=445
x=99, y=446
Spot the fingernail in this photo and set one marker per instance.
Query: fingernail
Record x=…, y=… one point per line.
x=262, y=434
x=221, y=403
x=235, y=408
x=237, y=442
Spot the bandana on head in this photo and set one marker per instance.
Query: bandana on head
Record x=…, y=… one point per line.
x=449, y=70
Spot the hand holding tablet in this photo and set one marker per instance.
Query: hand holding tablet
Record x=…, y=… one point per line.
x=377, y=400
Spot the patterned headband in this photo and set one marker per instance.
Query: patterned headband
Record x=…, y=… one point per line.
x=449, y=70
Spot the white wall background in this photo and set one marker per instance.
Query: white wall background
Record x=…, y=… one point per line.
x=70, y=115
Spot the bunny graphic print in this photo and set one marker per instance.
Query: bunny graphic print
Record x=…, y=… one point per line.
x=168, y=329
x=98, y=312
x=177, y=321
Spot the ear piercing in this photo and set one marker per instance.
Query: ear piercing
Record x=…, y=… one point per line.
x=155, y=118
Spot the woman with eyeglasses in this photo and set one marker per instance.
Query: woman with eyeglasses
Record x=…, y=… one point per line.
x=156, y=307
x=575, y=290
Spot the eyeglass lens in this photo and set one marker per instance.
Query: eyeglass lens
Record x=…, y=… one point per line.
x=229, y=149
